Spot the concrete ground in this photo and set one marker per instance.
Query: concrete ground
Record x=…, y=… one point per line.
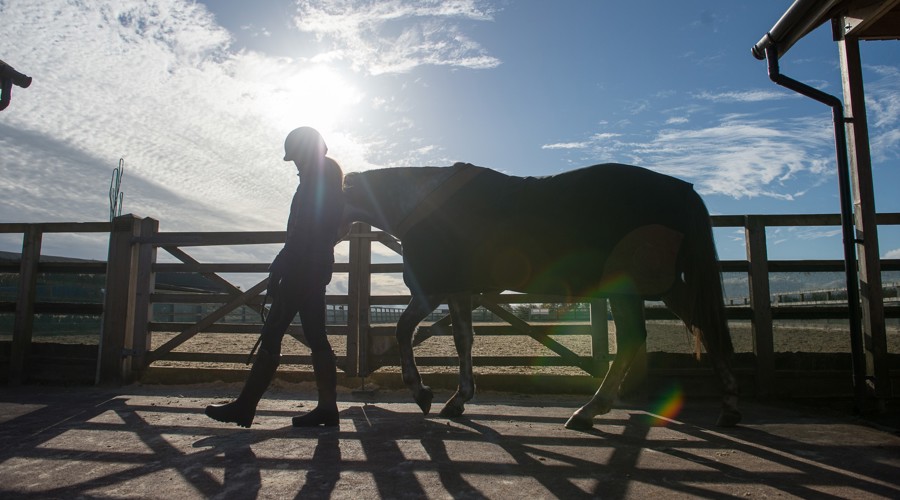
x=154, y=442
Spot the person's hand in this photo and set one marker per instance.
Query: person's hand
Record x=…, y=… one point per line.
x=277, y=272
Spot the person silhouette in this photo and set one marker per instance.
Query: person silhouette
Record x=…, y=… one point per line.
x=297, y=280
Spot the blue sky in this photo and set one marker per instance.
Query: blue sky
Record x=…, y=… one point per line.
x=197, y=98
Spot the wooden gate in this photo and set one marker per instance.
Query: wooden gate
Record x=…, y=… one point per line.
x=128, y=325
x=134, y=245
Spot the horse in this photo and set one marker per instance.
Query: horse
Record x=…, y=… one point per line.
x=617, y=231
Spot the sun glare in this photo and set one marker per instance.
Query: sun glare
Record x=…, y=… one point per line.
x=319, y=97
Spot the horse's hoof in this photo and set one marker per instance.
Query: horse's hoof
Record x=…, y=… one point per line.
x=452, y=411
x=729, y=418
x=580, y=422
x=603, y=408
x=423, y=399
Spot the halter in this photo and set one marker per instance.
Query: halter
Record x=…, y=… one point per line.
x=263, y=316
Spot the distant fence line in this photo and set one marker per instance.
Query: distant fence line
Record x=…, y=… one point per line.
x=889, y=294
x=337, y=314
x=130, y=314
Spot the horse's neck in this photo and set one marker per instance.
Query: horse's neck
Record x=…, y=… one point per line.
x=384, y=198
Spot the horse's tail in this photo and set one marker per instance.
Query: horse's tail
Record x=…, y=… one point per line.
x=706, y=303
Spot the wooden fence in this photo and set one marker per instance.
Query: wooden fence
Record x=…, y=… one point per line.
x=127, y=326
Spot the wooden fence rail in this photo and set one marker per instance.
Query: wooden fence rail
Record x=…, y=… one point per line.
x=130, y=294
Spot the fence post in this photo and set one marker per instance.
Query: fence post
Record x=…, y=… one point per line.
x=874, y=341
x=23, y=326
x=358, y=290
x=760, y=304
x=144, y=285
x=118, y=311
x=365, y=299
x=599, y=337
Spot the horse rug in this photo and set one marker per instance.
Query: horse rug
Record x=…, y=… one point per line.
x=600, y=230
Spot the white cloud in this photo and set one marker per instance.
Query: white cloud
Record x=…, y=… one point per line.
x=566, y=145
x=892, y=254
x=739, y=156
x=593, y=142
x=885, y=144
x=199, y=124
x=398, y=35
x=744, y=96
x=676, y=120
x=744, y=158
x=817, y=234
x=883, y=107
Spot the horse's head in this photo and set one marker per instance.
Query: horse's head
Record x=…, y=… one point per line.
x=372, y=197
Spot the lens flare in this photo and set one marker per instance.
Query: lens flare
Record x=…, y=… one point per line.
x=667, y=407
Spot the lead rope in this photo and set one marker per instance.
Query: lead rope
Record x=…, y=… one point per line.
x=262, y=315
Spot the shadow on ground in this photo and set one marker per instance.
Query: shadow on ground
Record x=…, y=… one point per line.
x=155, y=442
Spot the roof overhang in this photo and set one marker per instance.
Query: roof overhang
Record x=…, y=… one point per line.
x=862, y=19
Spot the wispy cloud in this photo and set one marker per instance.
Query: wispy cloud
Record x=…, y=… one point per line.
x=739, y=156
x=398, y=35
x=883, y=106
x=817, y=234
x=566, y=145
x=756, y=95
x=594, y=140
x=159, y=84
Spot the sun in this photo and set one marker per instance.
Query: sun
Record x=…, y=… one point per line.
x=318, y=96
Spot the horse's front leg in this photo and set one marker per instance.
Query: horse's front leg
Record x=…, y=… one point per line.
x=631, y=333
x=418, y=309
x=463, y=335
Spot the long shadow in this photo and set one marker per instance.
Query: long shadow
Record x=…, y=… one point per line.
x=381, y=433
x=221, y=449
x=811, y=445
x=792, y=466
x=407, y=455
x=242, y=478
x=324, y=469
x=531, y=460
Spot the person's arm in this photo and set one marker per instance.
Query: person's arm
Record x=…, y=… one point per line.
x=315, y=214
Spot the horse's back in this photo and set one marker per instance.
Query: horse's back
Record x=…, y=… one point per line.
x=611, y=188
x=556, y=234
x=589, y=206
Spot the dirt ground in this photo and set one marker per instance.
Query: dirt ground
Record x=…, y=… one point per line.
x=662, y=336
x=824, y=336
x=152, y=442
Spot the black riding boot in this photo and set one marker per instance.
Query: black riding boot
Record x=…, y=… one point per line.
x=242, y=410
x=326, y=412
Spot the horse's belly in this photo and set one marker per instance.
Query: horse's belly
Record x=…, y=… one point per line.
x=642, y=262
x=645, y=260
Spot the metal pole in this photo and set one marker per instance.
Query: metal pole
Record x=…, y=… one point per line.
x=857, y=352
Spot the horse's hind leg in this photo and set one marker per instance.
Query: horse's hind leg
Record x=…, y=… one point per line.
x=418, y=309
x=631, y=333
x=463, y=335
x=713, y=331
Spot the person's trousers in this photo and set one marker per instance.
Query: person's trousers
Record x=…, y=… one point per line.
x=307, y=301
